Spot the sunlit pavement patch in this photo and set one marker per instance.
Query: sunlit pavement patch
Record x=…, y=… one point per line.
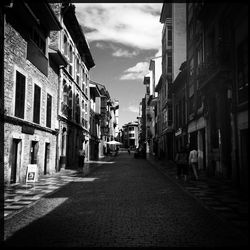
x=85, y=179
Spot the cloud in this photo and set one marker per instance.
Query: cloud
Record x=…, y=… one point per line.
x=136, y=72
x=133, y=109
x=124, y=53
x=134, y=25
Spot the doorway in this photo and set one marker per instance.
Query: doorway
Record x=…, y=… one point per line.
x=46, y=157
x=16, y=147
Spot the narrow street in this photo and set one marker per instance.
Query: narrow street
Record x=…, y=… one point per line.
x=125, y=202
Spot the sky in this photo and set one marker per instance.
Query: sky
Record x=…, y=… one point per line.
x=122, y=40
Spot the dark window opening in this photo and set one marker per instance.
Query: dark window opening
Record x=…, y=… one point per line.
x=20, y=95
x=48, y=115
x=36, y=111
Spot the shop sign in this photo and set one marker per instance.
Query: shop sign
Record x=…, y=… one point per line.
x=27, y=130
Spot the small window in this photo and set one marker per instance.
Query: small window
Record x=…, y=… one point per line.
x=242, y=73
x=20, y=95
x=48, y=113
x=37, y=99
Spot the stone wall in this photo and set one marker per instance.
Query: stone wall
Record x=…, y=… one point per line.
x=15, y=51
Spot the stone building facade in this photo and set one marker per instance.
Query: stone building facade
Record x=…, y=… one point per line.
x=173, y=18
x=217, y=36
x=30, y=91
x=73, y=88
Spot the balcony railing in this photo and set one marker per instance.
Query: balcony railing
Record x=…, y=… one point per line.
x=213, y=66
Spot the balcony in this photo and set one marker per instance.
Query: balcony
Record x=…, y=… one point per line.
x=214, y=67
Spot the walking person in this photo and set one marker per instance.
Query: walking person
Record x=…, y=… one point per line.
x=81, y=157
x=182, y=164
x=178, y=164
x=129, y=150
x=193, y=161
x=116, y=150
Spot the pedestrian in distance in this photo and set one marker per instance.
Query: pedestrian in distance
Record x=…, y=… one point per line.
x=181, y=160
x=178, y=164
x=129, y=150
x=116, y=150
x=193, y=161
x=81, y=157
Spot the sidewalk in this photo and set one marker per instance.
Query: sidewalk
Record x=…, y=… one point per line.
x=217, y=195
x=18, y=197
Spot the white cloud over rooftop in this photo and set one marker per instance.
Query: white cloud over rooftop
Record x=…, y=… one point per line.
x=136, y=25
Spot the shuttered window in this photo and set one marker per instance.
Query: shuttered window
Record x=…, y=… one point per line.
x=48, y=113
x=36, y=111
x=20, y=95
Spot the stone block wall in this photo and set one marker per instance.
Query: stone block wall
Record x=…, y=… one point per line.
x=15, y=51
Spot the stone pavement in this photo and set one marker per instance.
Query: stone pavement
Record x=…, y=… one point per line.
x=216, y=194
x=18, y=197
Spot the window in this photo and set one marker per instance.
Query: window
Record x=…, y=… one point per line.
x=65, y=46
x=70, y=59
x=36, y=110
x=20, y=95
x=242, y=73
x=169, y=64
x=83, y=112
x=77, y=71
x=169, y=36
x=191, y=104
x=191, y=67
x=48, y=112
x=70, y=103
x=39, y=40
x=77, y=110
x=170, y=116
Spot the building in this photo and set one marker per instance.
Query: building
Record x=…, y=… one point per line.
x=130, y=135
x=217, y=61
x=173, y=18
x=73, y=89
x=105, y=120
x=115, y=118
x=179, y=98
x=155, y=68
x=95, y=121
x=31, y=76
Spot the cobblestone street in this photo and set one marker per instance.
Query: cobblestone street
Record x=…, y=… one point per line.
x=126, y=202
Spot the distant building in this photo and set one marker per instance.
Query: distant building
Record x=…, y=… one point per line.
x=173, y=18
x=130, y=135
x=95, y=121
x=179, y=97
